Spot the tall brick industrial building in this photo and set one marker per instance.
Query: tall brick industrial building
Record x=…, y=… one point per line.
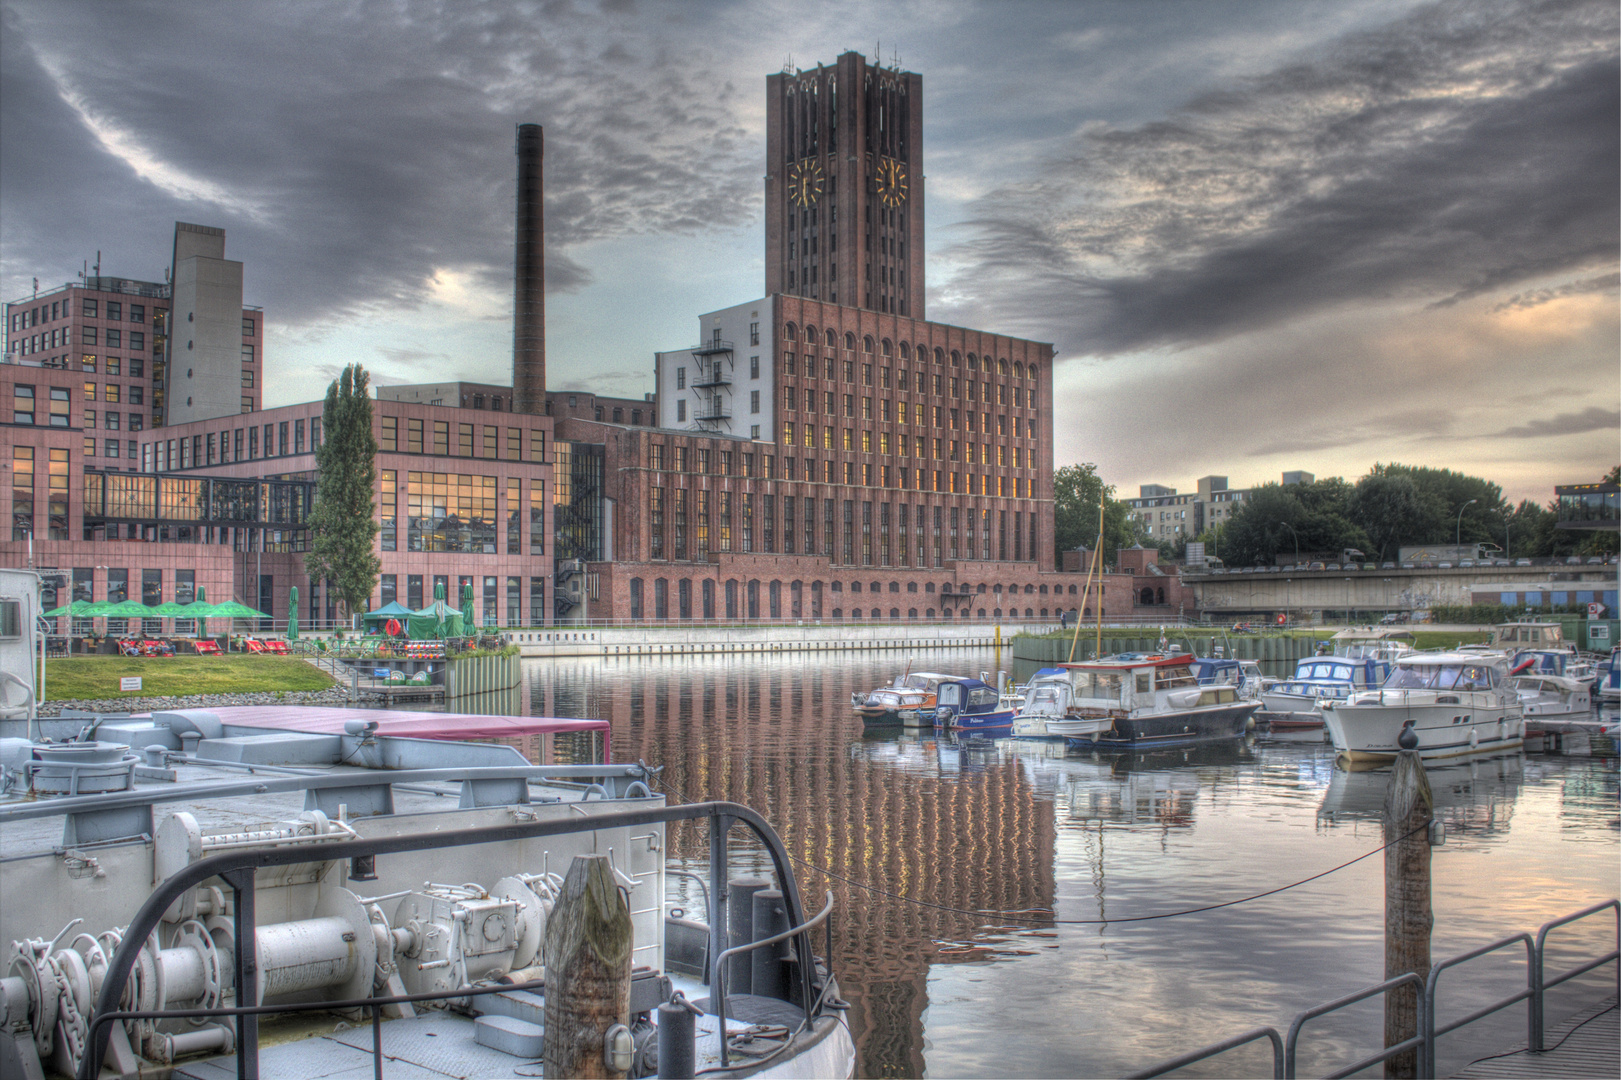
x=821, y=452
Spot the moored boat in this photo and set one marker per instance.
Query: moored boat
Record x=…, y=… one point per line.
x=971, y=707
x=1457, y=703
x=1551, y=695
x=1050, y=712
x=1295, y=703
x=907, y=701
x=1151, y=700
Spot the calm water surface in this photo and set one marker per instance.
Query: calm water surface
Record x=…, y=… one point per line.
x=1020, y=848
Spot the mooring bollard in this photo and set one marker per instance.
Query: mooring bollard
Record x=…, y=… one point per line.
x=588, y=948
x=1409, y=807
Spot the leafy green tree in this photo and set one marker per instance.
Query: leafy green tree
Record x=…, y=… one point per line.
x=1076, y=492
x=343, y=522
x=1390, y=508
x=1276, y=522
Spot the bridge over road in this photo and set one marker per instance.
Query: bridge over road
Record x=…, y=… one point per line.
x=1345, y=593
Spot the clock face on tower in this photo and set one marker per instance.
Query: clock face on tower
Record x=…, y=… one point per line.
x=891, y=181
x=805, y=181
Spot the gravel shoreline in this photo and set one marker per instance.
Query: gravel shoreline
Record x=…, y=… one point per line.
x=334, y=695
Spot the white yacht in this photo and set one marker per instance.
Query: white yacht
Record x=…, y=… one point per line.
x=1457, y=703
x=1552, y=695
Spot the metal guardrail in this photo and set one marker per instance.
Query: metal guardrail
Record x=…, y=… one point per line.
x=238, y=870
x=1537, y=983
x=1193, y=1057
x=717, y=997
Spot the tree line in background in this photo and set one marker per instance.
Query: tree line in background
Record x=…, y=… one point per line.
x=1391, y=507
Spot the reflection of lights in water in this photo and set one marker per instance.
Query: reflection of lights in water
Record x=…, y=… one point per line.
x=1014, y=826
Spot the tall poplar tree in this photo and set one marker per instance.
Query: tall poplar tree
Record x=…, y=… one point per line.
x=343, y=524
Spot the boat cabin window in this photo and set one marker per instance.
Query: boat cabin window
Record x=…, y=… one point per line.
x=981, y=697
x=950, y=694
x=1145, y=681
x=1096, y=684
x=1441, y=677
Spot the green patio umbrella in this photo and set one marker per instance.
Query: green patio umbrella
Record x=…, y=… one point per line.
x=467, y=607
x=438, y=590
x=169, y=609
x=79, y=609
x=129, y=609
x=292, y=614
x=231, y=609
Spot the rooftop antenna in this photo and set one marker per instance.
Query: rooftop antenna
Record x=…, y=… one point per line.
x=36, y=288
x=98, y=262
x=788, y=64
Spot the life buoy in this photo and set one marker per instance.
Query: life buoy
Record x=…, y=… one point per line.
x=392, y=628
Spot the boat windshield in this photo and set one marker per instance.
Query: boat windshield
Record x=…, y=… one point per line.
x=1096, y=684
x=1336, y=672
x=922, y=682
x=1045, y=695
x=1441, y=677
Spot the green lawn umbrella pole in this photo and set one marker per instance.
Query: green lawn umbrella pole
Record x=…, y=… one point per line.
x=202, y=621
x=292, y=614
x=467, y=607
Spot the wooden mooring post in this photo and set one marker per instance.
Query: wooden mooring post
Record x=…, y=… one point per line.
x=1409, y=807
x=588, y=949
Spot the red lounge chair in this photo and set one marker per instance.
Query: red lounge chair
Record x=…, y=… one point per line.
x=208, y=648
x=128, y=648
x=278, y=647
x=255, y=646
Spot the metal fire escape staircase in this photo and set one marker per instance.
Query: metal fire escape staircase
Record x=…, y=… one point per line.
x=716, y=363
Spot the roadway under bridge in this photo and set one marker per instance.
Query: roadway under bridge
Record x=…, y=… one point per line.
x=1311, y=593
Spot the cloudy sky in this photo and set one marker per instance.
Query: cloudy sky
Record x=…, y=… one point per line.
x=1263, y=235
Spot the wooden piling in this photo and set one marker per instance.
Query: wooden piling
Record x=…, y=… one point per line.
x=588, y=948
x=1409, y=806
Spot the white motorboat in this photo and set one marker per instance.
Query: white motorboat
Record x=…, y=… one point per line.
x=908, y=701
x=1049, y=712
x=1295, y=702
x=1552, y=695
x=1457, y=703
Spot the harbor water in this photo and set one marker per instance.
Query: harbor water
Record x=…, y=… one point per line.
x=973, y=880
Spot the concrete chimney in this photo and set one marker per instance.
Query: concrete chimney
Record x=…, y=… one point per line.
x=529, y=309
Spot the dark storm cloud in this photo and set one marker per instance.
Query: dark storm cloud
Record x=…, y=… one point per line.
x=1593, y=418
x=1462, y=149
x=1604, y=283
x=350, y=149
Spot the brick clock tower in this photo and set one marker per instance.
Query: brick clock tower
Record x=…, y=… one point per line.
x=844, y=186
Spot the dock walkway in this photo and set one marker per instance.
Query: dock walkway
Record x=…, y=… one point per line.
x=1588, y=1044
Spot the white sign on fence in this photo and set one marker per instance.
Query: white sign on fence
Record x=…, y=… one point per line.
x=1598, y=632
x=129, y=682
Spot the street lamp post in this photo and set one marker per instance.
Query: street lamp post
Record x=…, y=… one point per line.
x=1457, y=538
x=1296, y=535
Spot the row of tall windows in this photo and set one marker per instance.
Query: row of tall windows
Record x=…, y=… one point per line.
x=493, y=609
x=660, y=599
x=470, y=440
x=859, y=532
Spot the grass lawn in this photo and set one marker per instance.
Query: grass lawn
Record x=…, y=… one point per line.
x=1448, y=639
x=86, y=678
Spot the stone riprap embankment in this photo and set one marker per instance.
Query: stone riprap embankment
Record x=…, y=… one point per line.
x=335, y=695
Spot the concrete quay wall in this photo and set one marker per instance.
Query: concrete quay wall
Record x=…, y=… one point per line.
x=826, y=637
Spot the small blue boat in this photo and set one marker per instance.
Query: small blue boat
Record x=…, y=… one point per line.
x=971, y=707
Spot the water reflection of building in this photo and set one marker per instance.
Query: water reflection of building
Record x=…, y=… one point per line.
x=777, y=736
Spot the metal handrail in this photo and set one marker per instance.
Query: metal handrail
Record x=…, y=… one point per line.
x=238, y=869
x=718, y=996
x=1536, y=980
x=1172, y=1064
x=1420, y=1039
x=1542, y=982
x=1427, y=1011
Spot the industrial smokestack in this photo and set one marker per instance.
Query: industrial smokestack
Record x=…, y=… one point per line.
x=529, y=309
